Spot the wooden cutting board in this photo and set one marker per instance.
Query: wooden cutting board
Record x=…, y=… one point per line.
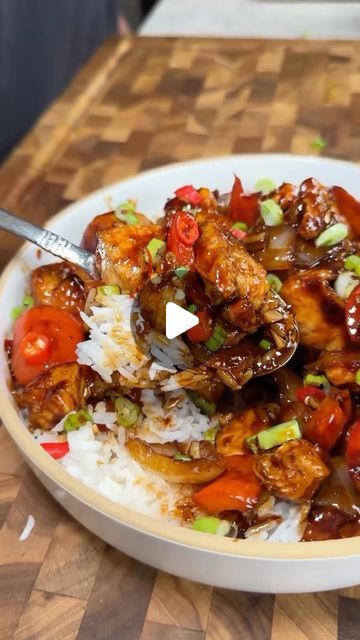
x=138, y=104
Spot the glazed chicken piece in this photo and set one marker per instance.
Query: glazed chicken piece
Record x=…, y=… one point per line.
x=230, y=274
x=230, y=439
x=122, y=257
x=60, y=284
x=315, y=208
x=340, y=367
x=294, y=471
x=53, y=394
x=284, y=195
x=105, y=221
x=318, y=310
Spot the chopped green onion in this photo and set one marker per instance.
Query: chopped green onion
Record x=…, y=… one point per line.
x=357, y=377
x=240, y=225
x=155, y=245
x=265, y=344
x=345, y=283
x=316, y=380
x=127, y=412
x=210, y=434
x=252, y=443
x=217, y=339
x=192, y=308
x=126, y=212
x=28, y=301
x=211, y=524
x=108, y=290
x=318, y=143
x=181, y=457
x=352, y=263
x=131, y=219
x=181, y=272
x=76, y=420
x=279, y=434
x=126, y=207
x=271, y=213
x=265, y=185
x=16, y=312
x=205, y=406
x=333, y=235
x=274, y=282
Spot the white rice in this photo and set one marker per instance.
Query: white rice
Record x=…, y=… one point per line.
x=291, y=529
x=100, y=459
x=103, y=463
x=111, y=346
x=182, y=423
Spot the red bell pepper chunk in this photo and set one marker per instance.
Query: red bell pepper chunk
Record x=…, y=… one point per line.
x=352, y=314
x=237, y=488
x=309, y=390
x=348, y=206
x=352, y=451
x=188, y=194
x=243, y=208
x=203, y=330
x=57, y=450
x=327, y=423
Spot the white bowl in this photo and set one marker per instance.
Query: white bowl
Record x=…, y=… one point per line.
x=236, y=564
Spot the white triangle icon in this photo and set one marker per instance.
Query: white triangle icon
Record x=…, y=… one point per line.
x=178, y=320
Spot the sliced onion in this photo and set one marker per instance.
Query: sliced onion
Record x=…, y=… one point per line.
x=279, y=252
x=345, y=283
x=307, y=254
x=177, y=471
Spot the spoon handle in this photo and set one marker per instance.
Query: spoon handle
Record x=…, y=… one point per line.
x=49, y=241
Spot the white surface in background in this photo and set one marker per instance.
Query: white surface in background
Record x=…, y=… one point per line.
x=262, y=18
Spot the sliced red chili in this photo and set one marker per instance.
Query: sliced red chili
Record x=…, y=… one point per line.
x=56, y=450
x=188, y=194
x=203, y=330
x=310, y=390
x=184, y=254
x=35, y=347
x=352, y=315
x=187, y=228
x=239, y=234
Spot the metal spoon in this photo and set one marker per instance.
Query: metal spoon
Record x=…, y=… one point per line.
x=49, y=241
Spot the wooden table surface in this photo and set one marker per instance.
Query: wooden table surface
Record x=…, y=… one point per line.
x=139, y=104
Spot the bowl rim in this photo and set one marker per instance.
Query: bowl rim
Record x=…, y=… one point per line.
x=157, y=527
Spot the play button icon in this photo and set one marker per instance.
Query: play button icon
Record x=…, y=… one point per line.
x=178, y=320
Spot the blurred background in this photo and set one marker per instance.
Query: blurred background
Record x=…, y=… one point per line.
x=43, y=43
